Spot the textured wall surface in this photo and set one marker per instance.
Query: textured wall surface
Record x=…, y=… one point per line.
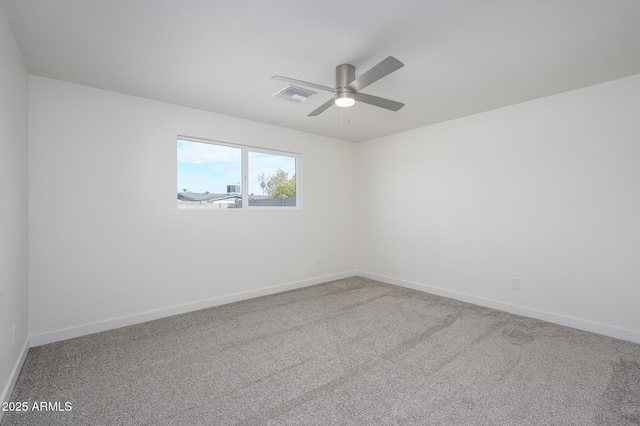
x=14, y=195
x=107, y=240
x=545, y=191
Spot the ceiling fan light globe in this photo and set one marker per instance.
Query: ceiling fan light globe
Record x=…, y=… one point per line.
x=345, y=100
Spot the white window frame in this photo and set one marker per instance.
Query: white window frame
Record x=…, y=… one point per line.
x=244, y=184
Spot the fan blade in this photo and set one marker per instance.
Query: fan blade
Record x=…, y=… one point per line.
x=322, y=108
x=379, y=102
x=303, y=83
x=383, y=69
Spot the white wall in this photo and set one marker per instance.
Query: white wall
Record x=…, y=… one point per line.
x=107, y=240
x=546, y=191
x=14, y=189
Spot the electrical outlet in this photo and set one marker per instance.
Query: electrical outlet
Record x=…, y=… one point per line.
x=515, y=283
x=13, y=335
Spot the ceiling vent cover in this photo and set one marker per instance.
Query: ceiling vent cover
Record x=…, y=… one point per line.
x=294, y=93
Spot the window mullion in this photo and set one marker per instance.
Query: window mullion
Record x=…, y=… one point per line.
x=245, y=180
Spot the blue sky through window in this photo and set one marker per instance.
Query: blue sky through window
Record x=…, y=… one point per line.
x=207, y=167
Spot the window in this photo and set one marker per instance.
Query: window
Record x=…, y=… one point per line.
x=216, y=175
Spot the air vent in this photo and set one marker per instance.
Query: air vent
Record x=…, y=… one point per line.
x=294, y=93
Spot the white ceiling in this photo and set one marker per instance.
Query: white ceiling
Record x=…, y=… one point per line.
x=461, y=56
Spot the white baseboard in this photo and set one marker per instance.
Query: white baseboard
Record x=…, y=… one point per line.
x=96, y=327
x=13, y=377
x=580, y=324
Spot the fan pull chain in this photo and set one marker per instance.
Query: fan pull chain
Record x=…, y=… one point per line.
x=342, y=117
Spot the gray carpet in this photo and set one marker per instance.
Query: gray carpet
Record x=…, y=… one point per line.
x=349, y=352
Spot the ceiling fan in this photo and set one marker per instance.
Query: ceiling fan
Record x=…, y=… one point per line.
x=347, y=90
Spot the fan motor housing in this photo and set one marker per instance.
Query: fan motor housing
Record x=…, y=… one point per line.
x=345, y=74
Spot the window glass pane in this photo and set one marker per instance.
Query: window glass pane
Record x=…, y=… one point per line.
x=272, y=180
x=209, y=176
